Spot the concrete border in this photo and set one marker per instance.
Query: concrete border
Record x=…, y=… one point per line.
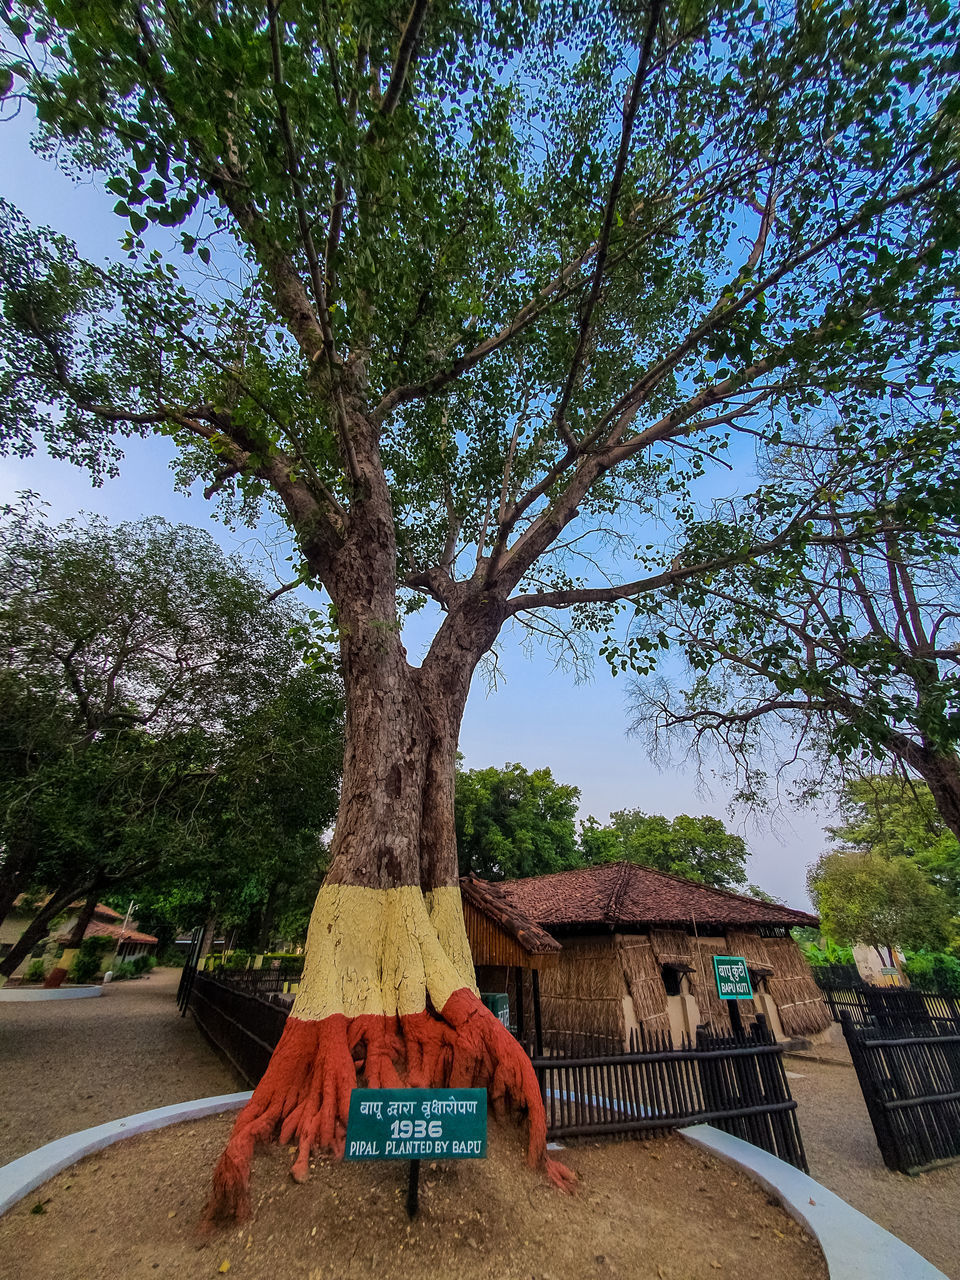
x=854, y=1246
x=13, y=995
x=19, y=1177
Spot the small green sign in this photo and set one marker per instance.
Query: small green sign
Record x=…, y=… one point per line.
x=417, y=1124
x=733, y=978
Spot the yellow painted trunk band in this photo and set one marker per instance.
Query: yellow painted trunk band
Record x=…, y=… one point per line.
x=382, y=951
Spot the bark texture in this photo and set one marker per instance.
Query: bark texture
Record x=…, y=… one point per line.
x=388, y=995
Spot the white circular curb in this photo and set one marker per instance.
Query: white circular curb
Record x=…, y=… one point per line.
x=13, y=995
x=854, y=1246
x=19, y=1177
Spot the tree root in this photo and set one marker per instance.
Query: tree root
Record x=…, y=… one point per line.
x=304, y=1095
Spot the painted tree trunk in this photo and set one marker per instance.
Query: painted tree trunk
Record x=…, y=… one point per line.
x=388, y=995
x=35, y=931
x=57, y=975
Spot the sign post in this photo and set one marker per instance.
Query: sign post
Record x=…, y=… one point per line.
x=415, y=1125
x=733, y=983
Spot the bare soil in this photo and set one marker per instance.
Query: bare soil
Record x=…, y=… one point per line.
x=924, y=1211
x=656, y=1209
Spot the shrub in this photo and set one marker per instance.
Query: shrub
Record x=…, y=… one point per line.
x=933, y=971
x=123, y=970
x=143, y=964
x=36, y=972
x=237, y=960
x=89, y=959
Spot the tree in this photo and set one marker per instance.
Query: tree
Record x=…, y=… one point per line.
x=257, y=852
x=155, y=689
x=897, y=818
x=513, y=823
x=851, y=654
x=698, y=849
x=881, y=902
x=489, y=287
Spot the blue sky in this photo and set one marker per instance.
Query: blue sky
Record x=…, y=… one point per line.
x=538, y=717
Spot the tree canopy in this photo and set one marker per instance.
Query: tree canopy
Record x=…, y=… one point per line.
x=897, y=818
x=699, y=849
x=557, y=258
x=160, y=720
x=848, y=654
x=881, y=902
x=512, y=822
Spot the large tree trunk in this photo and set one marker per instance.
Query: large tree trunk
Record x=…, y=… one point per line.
x=36, y=930
x=388, y=995
x=57, y=975
x=941, y=773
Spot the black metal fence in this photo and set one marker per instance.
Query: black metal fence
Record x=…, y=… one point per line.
x=590, y=1086
x=266, y=981
x=737, y=1084
x=891, y=1007
x=243, y=1025
x=910, y=1077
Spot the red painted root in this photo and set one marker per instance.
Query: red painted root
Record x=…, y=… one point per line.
x=305, y=1092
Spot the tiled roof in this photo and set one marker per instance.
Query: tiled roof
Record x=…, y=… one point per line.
x=488, y=900
x=98, y=929
x=621, y=894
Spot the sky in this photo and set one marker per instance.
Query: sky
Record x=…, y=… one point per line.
x=538, y=717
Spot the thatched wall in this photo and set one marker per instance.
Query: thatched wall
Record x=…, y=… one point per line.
x=798, y=999
x=704, y=986
x=672, y=946
x=644, y=983
x=584, y=991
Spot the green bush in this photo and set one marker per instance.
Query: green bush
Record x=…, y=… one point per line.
x=36, y=972
x=829, y=953
x=173, y=957
x=933, y=971
x=237, y=960
x=125, y=969
x=143, y=964
x=89, y=959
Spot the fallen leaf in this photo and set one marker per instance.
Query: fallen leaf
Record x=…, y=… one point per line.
x=224, y=1266
x=812, y=1201
x=172, y=1213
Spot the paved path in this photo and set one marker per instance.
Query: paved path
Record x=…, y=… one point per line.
x=924, y=1211
x=66, y=1065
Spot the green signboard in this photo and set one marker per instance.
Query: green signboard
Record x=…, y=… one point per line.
x=417, y=1124
x=733, y=978
x=499, y=1005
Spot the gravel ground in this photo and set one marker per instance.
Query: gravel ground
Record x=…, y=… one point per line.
x=924, y=1211
x=67, y=1065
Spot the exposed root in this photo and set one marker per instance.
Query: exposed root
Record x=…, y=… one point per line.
x=304, y=1095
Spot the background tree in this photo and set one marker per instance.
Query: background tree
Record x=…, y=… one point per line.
x=880, y=902
x=699, y=849
x=896, y=817
x=489, y=287
x=158, y=713
x=511, y=823
x=846, y=655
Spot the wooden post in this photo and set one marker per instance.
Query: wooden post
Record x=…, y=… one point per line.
x=537, y=1019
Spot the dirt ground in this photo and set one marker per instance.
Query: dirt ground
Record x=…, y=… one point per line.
x=656, y=1210
x=924, y=1211
x=66, y=1065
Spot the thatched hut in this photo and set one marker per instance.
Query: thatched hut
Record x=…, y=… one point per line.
x=633, y=949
